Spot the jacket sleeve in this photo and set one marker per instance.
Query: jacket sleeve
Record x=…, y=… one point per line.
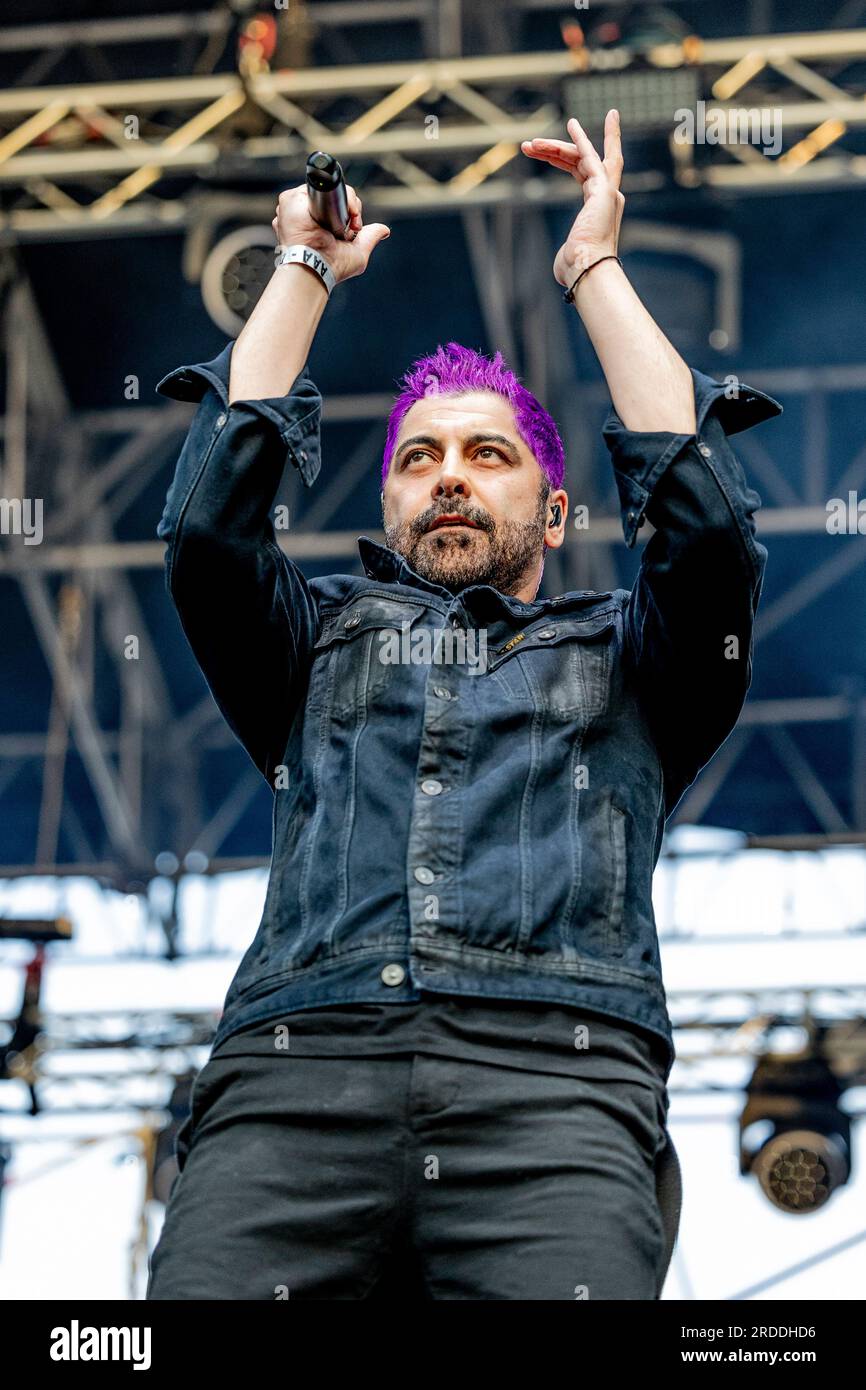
x=246, y=610
x=689, y=619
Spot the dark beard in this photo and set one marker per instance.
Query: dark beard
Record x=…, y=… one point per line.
x=455, y=560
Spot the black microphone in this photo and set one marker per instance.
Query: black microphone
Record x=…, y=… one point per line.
x=326, y=194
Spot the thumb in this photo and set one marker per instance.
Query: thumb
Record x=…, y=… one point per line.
x=370, y=236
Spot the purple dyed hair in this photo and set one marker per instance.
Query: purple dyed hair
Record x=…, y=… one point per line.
x=452, y=369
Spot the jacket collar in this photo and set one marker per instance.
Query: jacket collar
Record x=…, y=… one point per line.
x=387, y=566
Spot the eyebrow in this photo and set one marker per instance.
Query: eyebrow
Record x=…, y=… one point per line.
x=480, y=438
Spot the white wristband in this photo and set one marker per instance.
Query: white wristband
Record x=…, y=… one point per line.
x=305, y=255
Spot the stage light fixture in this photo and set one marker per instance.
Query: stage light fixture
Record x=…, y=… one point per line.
x=235, y=273
x=794, y=1137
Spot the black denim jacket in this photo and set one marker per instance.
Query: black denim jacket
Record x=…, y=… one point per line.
x=485, y=820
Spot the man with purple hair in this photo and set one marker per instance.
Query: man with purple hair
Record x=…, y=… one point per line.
x=474, y=394
x=441, y=1070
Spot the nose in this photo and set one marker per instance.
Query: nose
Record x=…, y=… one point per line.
x=452, y=480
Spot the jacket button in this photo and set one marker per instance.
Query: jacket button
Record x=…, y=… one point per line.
x=547, y=632
x=705, y=450
x=431, y=786
x=393, y=975
x=424, y=875
x=353, y=621
x=442, y=692
x=221, y=419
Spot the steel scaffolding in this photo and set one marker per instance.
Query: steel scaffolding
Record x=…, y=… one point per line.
x=59, y=143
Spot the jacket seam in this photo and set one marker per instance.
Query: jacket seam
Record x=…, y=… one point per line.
x=175, y=540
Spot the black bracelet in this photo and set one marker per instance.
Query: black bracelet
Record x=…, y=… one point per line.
x=568, y=296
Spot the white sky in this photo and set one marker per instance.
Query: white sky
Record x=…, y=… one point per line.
x=71, y=1212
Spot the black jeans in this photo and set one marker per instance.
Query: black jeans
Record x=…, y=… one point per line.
x=416, y=1177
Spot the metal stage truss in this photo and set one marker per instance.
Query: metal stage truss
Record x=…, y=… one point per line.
x=67, y=170
x=489, y=103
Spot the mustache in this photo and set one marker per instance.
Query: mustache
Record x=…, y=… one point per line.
x=423, y=522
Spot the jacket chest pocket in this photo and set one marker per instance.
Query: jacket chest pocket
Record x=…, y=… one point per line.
x=562, y=666
x=356, y=660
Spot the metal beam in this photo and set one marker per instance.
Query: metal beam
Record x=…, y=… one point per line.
x=407, y=139
x=814, y=794
x=480, y=70
x=403, y=84
x=203, y=724
x=114, y=806
x=145, y=698
x=305, y=545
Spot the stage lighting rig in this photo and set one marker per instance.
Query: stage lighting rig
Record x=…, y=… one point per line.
x=235, y=273
x=794, y=1137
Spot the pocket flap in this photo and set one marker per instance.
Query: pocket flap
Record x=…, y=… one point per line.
x=547, y=633
x=364, y=614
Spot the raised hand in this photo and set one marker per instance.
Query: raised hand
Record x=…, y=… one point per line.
x=595, y=231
